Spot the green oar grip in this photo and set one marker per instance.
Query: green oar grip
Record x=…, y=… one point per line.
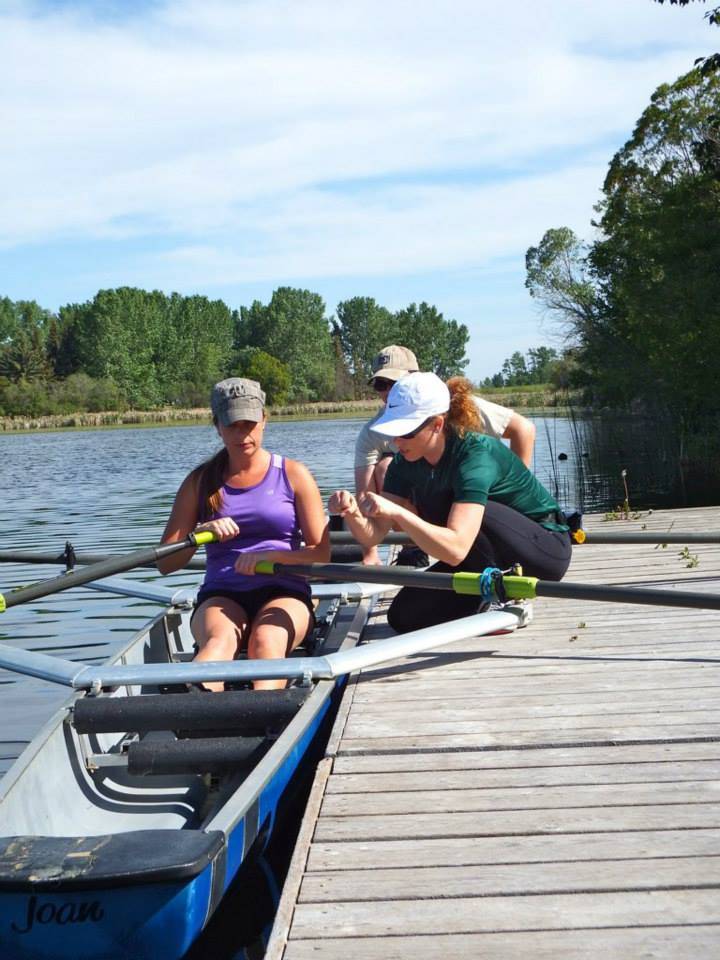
x=203, y=537
x=520, y=588
x=466, y=583
x=3, y=606
x=265, y=566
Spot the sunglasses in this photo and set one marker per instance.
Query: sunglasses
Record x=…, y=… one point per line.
x=416, y=431
x=380, y=384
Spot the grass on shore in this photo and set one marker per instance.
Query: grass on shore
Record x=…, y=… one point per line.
x=536, y=398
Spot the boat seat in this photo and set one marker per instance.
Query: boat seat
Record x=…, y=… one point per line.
x=140, y=856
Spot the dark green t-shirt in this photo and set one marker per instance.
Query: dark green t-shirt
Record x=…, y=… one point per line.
x=473, y=469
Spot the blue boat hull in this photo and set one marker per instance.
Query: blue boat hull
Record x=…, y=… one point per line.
x=140, y=920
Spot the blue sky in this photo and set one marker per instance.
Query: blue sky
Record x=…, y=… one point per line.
x=402, y=150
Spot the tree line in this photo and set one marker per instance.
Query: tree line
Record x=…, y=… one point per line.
x=640, y=303
x=129, y=347
x=539, y=365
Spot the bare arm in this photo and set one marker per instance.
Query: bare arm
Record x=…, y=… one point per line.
x=311, y=515
x=364, y=480
x=521, y=433
x=450, y=543
x=368, y=531
x=181, y=522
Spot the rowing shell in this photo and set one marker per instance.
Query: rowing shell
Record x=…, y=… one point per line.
x=126, y=819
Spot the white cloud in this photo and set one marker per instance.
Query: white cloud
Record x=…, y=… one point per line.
x=270, y=139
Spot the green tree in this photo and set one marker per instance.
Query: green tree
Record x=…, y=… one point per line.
x=657, y=265
x=196, y=348
x=8, y=320
x=363, y=328
x=541, y=363
x=438, y=344
x=514, y=370
x=538, y=365
x=120, y=335
x=559, y=278
x=24, y=358
x=272, y=375
x=293, y=329
x=158, y=349
x=344, y=388
x=24, y=326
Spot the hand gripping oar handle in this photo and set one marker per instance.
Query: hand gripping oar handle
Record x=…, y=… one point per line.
x=105, y=568
x=516, y=588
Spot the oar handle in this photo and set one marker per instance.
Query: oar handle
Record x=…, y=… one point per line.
x=105, y=568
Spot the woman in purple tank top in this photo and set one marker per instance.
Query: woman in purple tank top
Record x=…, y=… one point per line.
x=262, y=507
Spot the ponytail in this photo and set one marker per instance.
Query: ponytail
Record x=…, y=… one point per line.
x=209, y=477
x=463, y=415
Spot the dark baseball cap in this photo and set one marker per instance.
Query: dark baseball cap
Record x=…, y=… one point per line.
x=237, y=399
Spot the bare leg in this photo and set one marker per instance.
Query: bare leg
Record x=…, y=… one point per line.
x=278, y=628
x=219, y=626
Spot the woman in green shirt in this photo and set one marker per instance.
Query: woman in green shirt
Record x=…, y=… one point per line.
x=462, y=497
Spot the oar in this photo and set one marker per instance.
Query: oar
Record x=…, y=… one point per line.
x=341, y=537
x=31, y=556
x=516, y=588
x=105, y=568
x=612, y=536
x=651, y=536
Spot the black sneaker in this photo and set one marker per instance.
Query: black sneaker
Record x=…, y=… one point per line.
x=412, y=556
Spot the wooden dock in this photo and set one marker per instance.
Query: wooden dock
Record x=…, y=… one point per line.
x=552, y=793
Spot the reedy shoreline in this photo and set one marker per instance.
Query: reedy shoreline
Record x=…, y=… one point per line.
x=534, y=401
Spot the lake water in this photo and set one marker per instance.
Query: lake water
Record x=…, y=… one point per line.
x=111, y=491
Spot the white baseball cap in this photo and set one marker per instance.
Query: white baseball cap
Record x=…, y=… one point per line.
x=411, y=402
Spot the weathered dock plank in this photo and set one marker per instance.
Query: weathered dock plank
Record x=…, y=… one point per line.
x=431, y=883
x=654, y=943
x=464, y=915
x=522, y=849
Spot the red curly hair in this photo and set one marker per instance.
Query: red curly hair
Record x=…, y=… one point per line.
x=463, y=415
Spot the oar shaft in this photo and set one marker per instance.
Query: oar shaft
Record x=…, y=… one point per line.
x=612, y=594
x=650, y=536
x=106, y=568
x=31, y=556
x=592, y=537
x=343, y=537
x=516, y=588
x=393, y=576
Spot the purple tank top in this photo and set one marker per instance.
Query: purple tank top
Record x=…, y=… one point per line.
x=267, y=519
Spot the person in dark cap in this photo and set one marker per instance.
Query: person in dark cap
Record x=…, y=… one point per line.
x=261, y=506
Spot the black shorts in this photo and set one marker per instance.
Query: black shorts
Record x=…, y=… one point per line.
x=252, y=601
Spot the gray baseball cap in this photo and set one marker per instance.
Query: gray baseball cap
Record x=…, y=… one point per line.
x=237, y=399
x=393, y=363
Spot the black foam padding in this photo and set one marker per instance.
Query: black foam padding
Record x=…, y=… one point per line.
x=216, y=755
x=245, y=711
